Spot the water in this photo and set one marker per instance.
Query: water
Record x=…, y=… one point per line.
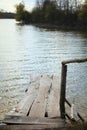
x=28, y=49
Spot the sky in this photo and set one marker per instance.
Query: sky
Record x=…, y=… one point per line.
x=9, y=5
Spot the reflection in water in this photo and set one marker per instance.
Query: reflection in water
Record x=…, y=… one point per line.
x=27, y=49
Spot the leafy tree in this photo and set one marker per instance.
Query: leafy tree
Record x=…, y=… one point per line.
x=22, y=14
x=7, y=15
x=50, y=11
x=37, y=15
x=82, y=15
x=0, y=14
x=19, y=11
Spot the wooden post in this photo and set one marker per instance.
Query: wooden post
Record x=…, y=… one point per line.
x=63, y=84
x=63, y=90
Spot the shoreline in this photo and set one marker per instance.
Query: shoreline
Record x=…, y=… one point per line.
x=60, y=27
x=53, y=26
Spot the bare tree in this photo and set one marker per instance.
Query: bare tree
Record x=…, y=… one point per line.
x=69, y=4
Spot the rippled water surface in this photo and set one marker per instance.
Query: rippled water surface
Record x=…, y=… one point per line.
x=28, y=49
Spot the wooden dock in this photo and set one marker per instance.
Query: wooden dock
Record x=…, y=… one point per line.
x=40, y=106
x=41, y=99
x=43, y=106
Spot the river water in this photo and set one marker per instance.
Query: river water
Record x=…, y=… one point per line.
x=28, y=49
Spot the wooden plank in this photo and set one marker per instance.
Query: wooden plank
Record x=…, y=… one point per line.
x=35, y=127
x=39, y=106
x=53, y=109
x=79, y=60
x=24, y=106
x=35, y=77
x=20, y=120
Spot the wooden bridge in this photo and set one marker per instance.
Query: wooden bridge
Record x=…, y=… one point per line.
x=44, y=103
x=40, y=106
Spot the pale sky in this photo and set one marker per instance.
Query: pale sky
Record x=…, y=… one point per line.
x=9, y=5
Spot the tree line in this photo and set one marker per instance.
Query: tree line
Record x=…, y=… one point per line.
x=7, y=15
x=59, y=12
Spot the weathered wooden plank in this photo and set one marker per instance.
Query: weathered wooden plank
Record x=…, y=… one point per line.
x=35, y=127
x=35, y=78
x=39, y=106
x=53, y=109
x=20, y=120
x=79, y=60
x=24, y=106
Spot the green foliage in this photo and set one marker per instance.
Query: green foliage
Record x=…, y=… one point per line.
x=0, y=14
x=7, y=15
x=37, y=15
x=22, y=14
x=19, y=12
x=82, y=16
x=45, y=12
x=48, y=11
